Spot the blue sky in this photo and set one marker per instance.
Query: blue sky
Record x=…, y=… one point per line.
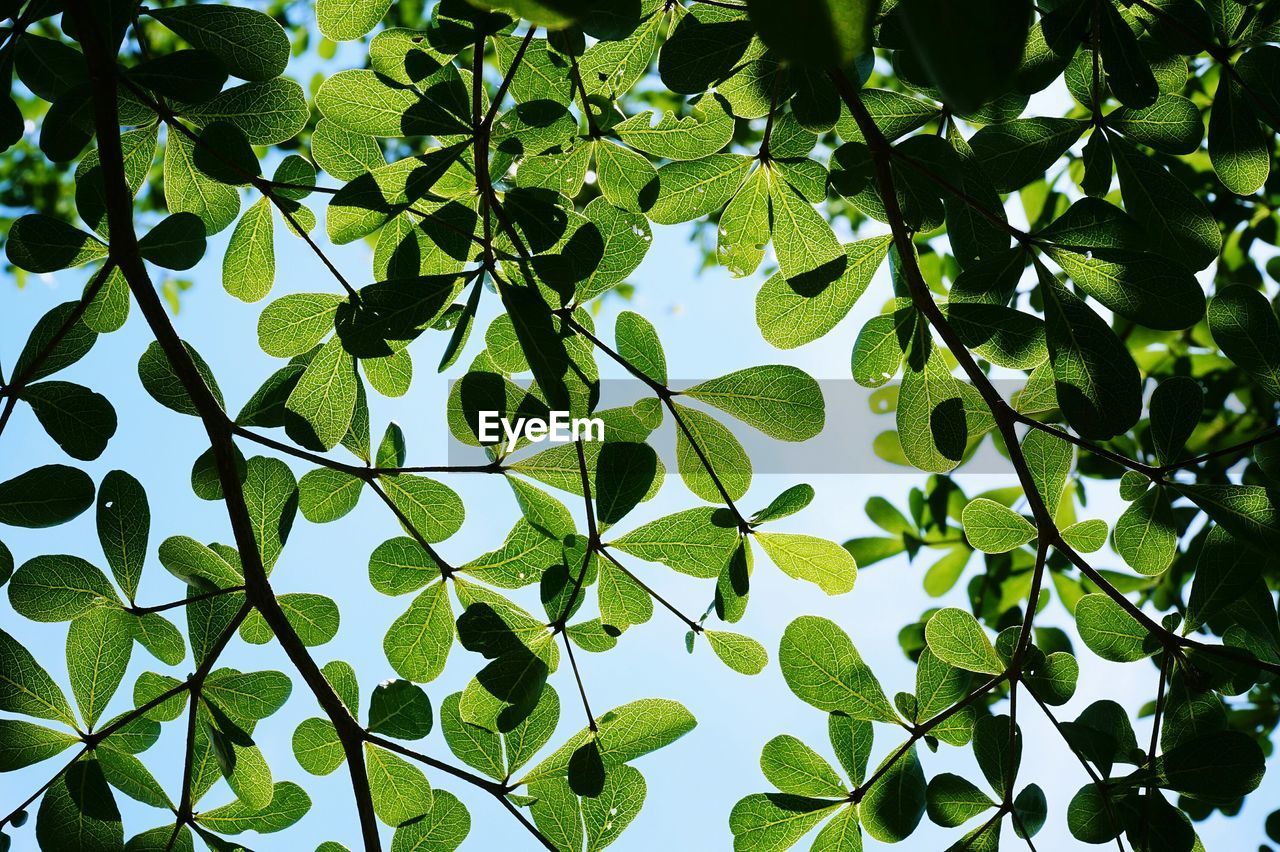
x=707, y=326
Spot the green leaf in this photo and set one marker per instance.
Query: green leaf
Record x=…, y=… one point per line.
x=323, y=402
x=1086, y=536
x=1015, y=153
x=1110, y=632
x=823, y=669
x=781, y=401
x=369, y=104
x=444, y=827
x=345, y=20
x=791, y=314
x=418, y=642
x=1143, y=287
x=271, y=496
x=771, y=822
x=1226, y=570
x=317, y=747
x=623, y=734
x=816, y=32
x=40, y=243
x=1002, y=335
x=26, y=688
x=160, y=380
x=24, y=744
x=1247, y=511
x=790, y=501
x=124, y=526
x=249, y=43
x=249, y=267
x=1097, y=383
x=189, y=190
x=79, y=420
x=400, y=709
x=176, y=242
x=706, y=129
x=1146, y=534
x=638, y=343
x=79, y=812
x=325, y=494
x=45, y=496
x=99, y=643
x=1176, y=407
x=708, y=442
x=45, y=353
x=1239, y=148
x=795, y=768
x=247, y=697
x=1245, y=328
x=557, y=813
x=1172, y=124
x=958, y=639
x=1175, y=218
x=931, y=418
x=433, y=510
x=128, y=775
x=816, y=560
x=288, y=804
x=695, y=542
x=994, y=528
x=1217, y=767
x=893, y=806
x=475, y=746
x=606, y=815
x=740, y=653
x=294, y=324
x=953, y=801
x=58, y=588
x=189, y=560
x=158, y=635
x=1128, y=73
x=690, y=190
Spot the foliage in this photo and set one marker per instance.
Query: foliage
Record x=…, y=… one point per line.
x=521, y=151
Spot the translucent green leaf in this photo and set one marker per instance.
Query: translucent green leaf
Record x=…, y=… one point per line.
x=418, y=642
x=719, y=449
x=953, y=801
x=740, y=653
x=345, y=20
x=775, y=821
x=607, y=815
x=1097, y=383
x=26, y=688
x=692, y=189
x=893, y=806
x=24, y=744
x=781, y=401
x=816, y=560
x=1110, y=632
x=695, y=542
x=99, y=643
x=791, y=314
x=1146, y=534
x=56, y=587
x=1239, y=148
x=444, y=827
x=957, y=638
x=1172, y=124
x=325, y=494
x=79, y=812
x=189, y=190
x=823, y=669
x=994, y=528
x=317, y=747
x=705, y=130
x=1244, y=326
x=164, y=385
x=249, y=267
x=288, y=804
x=795, y=768
x=1015, y=153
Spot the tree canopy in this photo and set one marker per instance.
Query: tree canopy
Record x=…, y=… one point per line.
x=1073, y=200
